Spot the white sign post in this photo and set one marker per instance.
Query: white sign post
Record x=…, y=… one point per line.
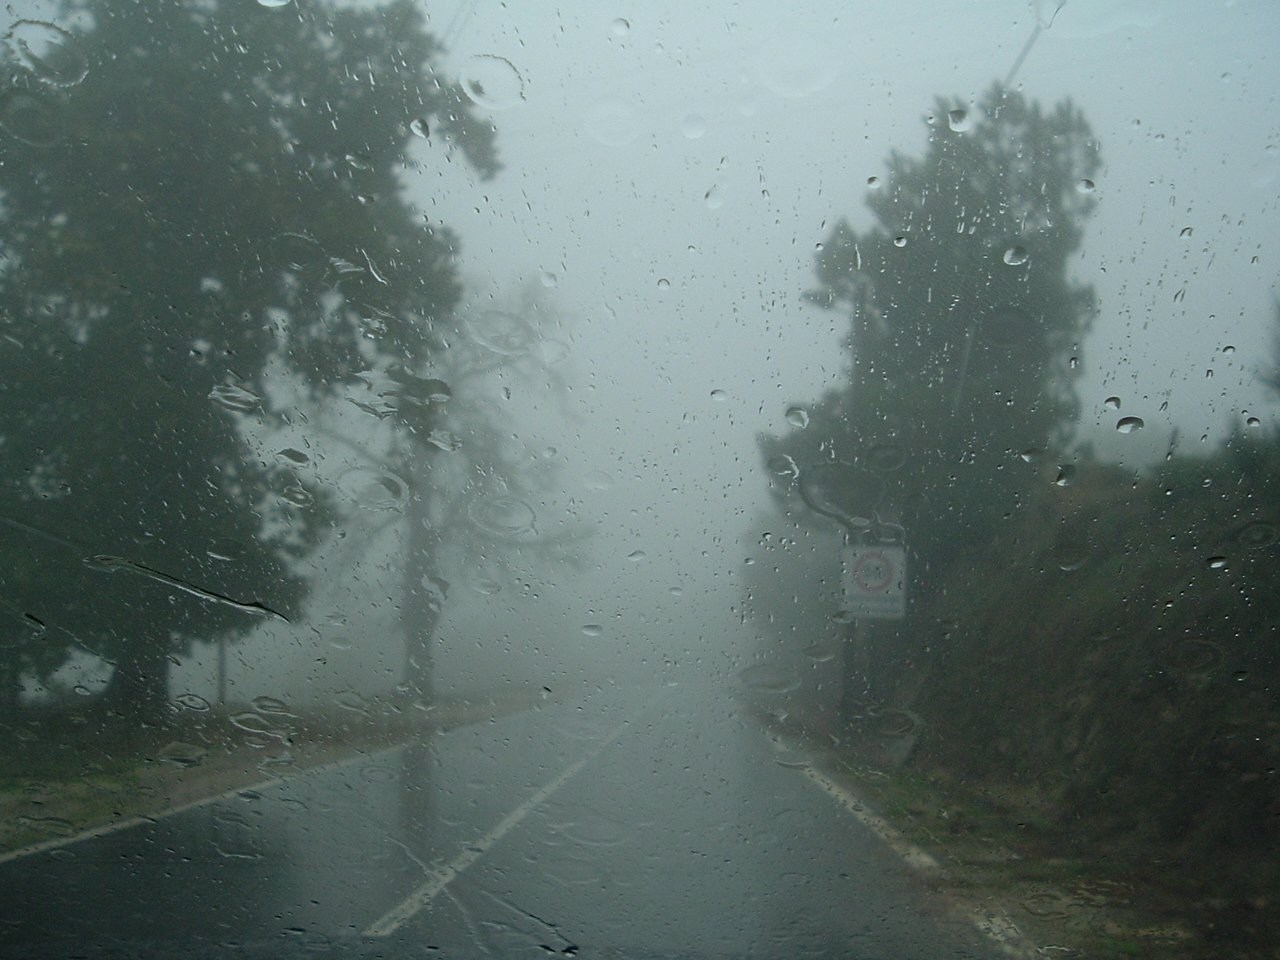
x=875, y=581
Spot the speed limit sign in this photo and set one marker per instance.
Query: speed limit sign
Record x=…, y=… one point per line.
x=875, y=582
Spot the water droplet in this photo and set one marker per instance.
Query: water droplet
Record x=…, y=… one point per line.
x=783, y=466
x=351, y=701
x=503, y=517
x=714, y=197
x=1130, y=424
x=768, y=679
x=50, y=53
x=50, y=826
x=873, y=183
x=80, y=690
x=492, y=82
x=592, y=629
x=798, y=417
x=822, y=651
x=1258, y=533
x=235, y=397
x=504, y=333
x=271, y=705
x=843, y=617
x=486, y=586
x=274, y=3
x=664, y=283
x=1066, y=475
x=374, y=489
x=1016, y=256
x=1185, y=232
x=620, y=27
x=694, y=127
x=181, y=754
x=1070, y=553
x=1253, y=422
x=1229, y=348
x=192, y=701
x=444, y=440
x=549, y=279
x=297, y=495
x=1111, y=403
x=958, y=120
x=612, y=122
x=597, y=481
x=292, y=455
x=31, y=117
x=635, y=556
x=1085, y=186
x=676, y=591
x=420, y=128
x=884, y=457
x=899, y=241
x=719, y=395
x=1217, y=563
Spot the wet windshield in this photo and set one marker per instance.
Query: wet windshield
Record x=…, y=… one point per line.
x=633, y=480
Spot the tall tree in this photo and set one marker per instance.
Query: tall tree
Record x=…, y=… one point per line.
x=963, y=319
x=195, y=198
x=469, y=497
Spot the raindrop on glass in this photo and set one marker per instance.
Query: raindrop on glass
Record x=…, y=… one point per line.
x=1085, y=186
x=374, y=489
x=31, y=117
x=620, y=27
x=768, y=679
x=492, y=82
x=899, y=241
x=1111, y=403
x=1257, y=534
x=959, y=120
x=719, y=395
x=1129, y=424
x=235, y=397
x=420, y=128
x=635, y=556
x=1217, y=563
x=1065, y=476
x=798, y=417
x=693, y=127
x=49, y=52
x=592, y=629
x=1016, y=256
x=783, y=466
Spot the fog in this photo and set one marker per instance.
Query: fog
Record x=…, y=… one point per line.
x=668, y=172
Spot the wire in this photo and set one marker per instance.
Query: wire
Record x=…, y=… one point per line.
x=1031, y=40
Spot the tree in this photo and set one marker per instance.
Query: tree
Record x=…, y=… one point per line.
x=963, y=321
x=469, y=497
x=196, y=199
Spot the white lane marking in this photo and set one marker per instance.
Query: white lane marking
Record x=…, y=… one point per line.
x=441, y=876
x=139, y=820
x=915, y=857
x=1000, y=929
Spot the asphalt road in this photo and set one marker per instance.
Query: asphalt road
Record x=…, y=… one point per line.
x=636, y=823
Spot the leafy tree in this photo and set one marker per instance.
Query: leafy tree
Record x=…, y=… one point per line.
x=195, y=200
x=963, y=322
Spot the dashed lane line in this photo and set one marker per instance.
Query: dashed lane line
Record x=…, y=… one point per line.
x=440, y=877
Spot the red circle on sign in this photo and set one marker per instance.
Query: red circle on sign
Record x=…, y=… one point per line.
x=880, y=564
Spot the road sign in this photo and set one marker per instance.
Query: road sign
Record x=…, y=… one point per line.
x=875, y=582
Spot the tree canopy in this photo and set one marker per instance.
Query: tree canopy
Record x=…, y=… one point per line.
x=196, y=199
x=963, y=321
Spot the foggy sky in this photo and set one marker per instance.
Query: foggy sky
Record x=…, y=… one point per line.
x=669, y=169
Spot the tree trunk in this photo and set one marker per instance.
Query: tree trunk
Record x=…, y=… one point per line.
x=138, y=692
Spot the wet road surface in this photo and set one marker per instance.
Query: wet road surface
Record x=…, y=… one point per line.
x=635, y=823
